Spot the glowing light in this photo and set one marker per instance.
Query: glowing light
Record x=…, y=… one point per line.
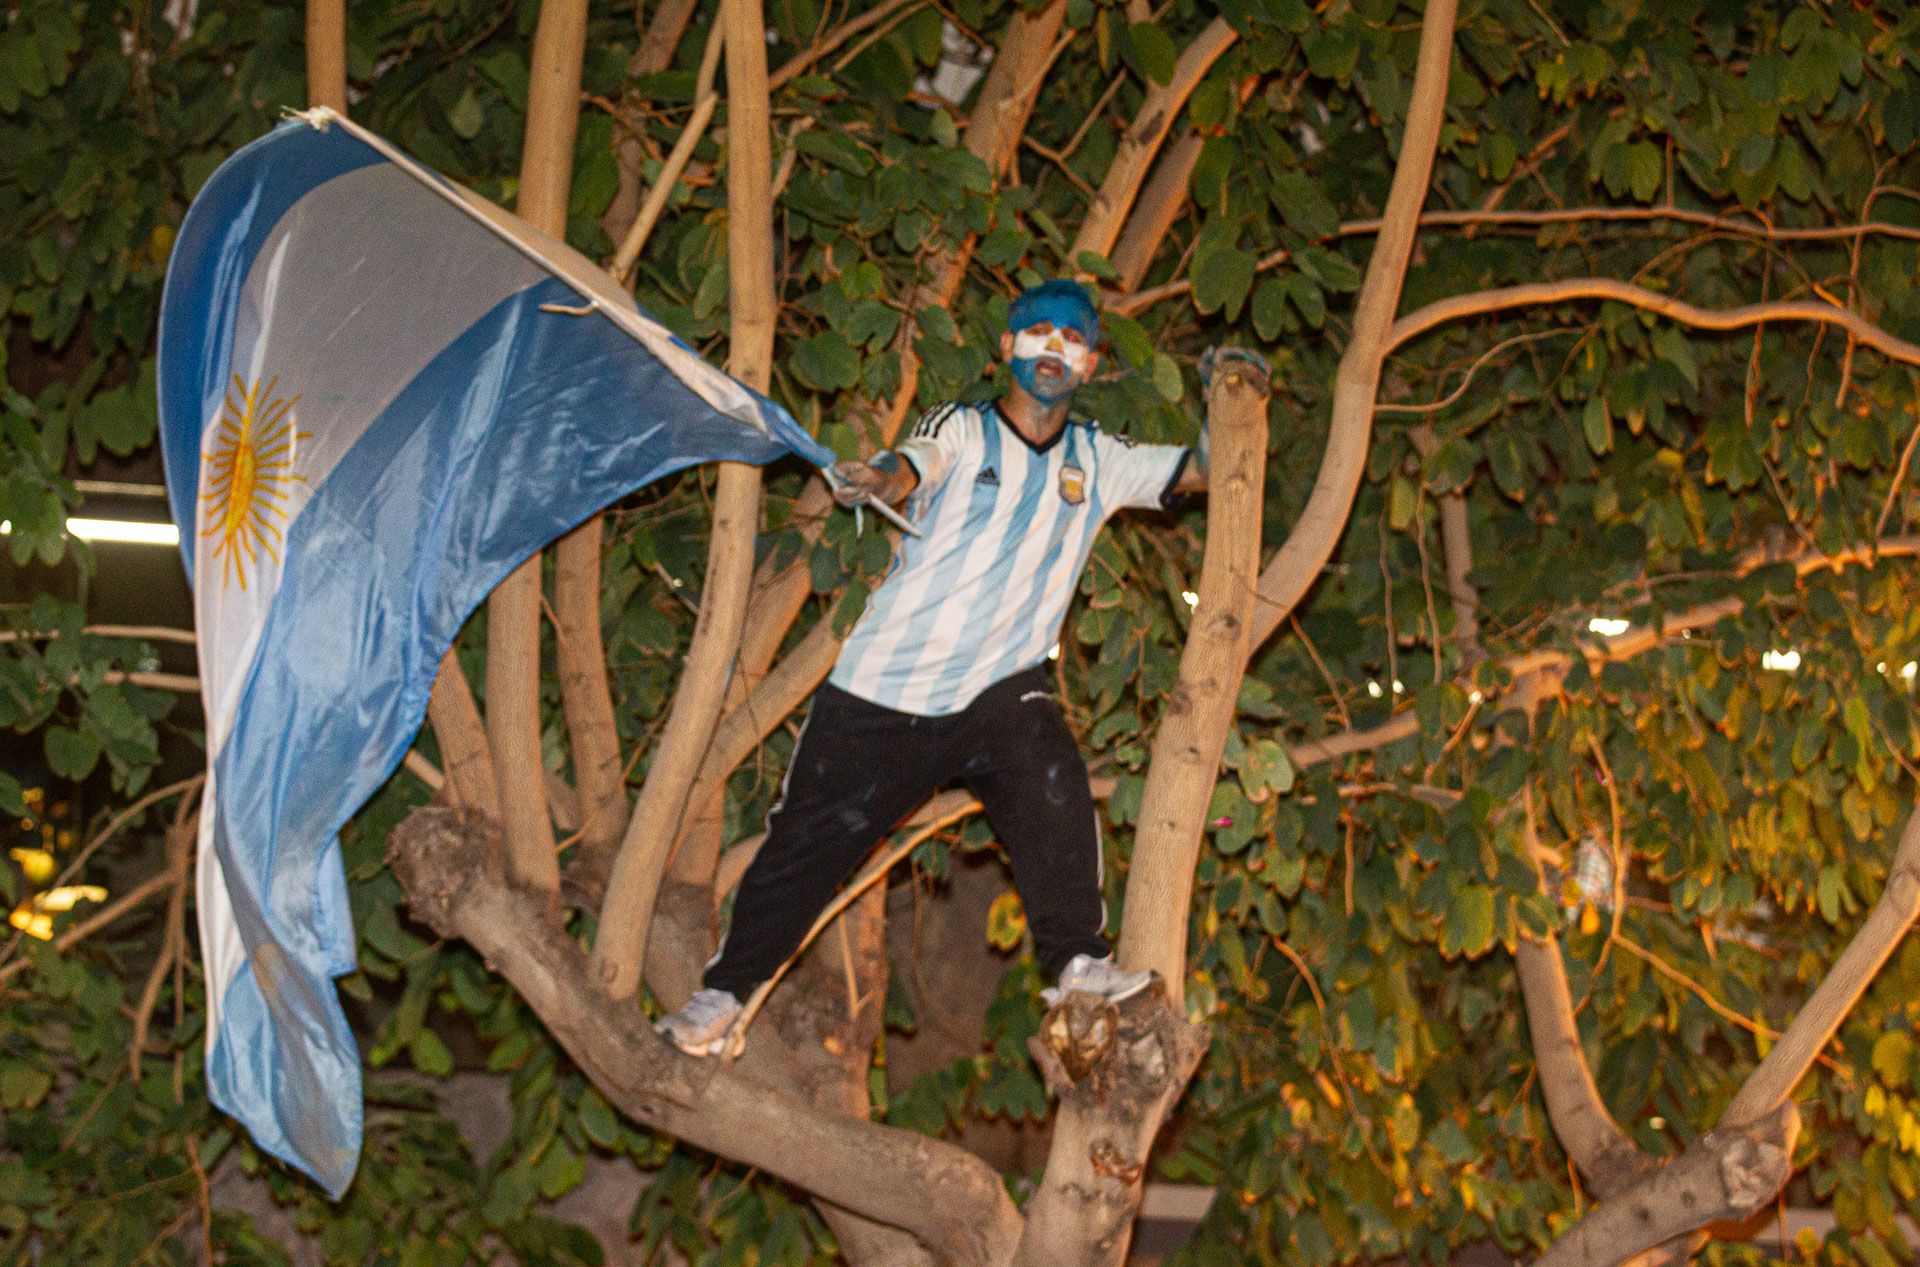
x=38, y=864
x=1399, y=687
x=1053, y=652
x=1607, y=626
x=247, y=475
x=1373, y=689
x=1909, y=670
x=31, y=922
x=1475, y=696
x=1780, y=661
x=66, y=897
x=1190, y=598
x=130, y=531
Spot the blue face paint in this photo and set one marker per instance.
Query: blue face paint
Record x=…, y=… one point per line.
x=1025, y=373
x=1060, y=303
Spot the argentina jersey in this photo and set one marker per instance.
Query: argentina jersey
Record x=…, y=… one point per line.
x=1006, y=528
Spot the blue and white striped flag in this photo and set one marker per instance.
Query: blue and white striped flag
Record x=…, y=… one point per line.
x=379, y=393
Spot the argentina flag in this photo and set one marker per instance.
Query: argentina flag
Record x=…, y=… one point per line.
x=379, y=393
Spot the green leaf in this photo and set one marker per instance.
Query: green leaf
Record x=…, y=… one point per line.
x=826, y=362
x=1222, y=277
x=430, y=1054
x=835, y=149
x=467, y=116
x=1151, y=52
x=1166, y=378
x=71, y=753
x=1597, y=422
x=1468, y=928
x=11, y=803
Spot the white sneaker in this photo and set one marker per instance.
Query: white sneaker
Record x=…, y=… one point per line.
x=700, y=1028
x=1097, y=976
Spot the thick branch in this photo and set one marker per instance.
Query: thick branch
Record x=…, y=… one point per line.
x=1156, y=211
x=1299, y=562
x=1728, y=1173
x=1193, y=729
x=642, y=861
x=1536, y=294
x=513, y=613
x=657, y=42
x=1143, y=140
x=945, y=1196
x=599, y=775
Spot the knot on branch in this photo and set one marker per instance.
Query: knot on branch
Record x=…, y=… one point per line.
x=1758, y=1158
x=436, y=853
x=1236, y=367
x=1136, y=1054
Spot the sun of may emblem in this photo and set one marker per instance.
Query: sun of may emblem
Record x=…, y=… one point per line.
x=247, y=474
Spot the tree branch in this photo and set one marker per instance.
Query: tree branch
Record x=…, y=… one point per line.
x=1193, y=729
x=1299, y=562
x=625, y=917
x=327, y=54
x=1143, y=140
x=1156, y=211
x=1535, y=294
x=1139, y=301
x=946, y=1197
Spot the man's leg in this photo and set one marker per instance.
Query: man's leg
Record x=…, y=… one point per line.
x=857, y=769
x=1025, y=766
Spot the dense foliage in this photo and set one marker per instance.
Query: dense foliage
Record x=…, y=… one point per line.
x=1715, y=824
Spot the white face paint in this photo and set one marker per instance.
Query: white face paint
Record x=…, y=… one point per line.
x=1070, y=352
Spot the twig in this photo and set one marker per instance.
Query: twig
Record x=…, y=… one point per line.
x=94, y=923
x=831, y=40
x=1899, y=478
x=107, y=833
x=1333, y=1052
x=1489, y=354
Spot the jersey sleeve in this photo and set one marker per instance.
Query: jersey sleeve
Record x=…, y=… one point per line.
x=936, y=443
x=1139, y=476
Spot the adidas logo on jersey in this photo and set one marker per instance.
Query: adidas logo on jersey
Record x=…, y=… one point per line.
x=987, y=477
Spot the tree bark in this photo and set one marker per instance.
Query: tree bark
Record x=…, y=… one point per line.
x=1193, y=729
x=657, y=42
x=1143, y=140
x=1157, y=210
x=642, y=862
x=327, y=54
x=599, y=774
x=948, y=1199
x=1116, y=1073
x=1298, y=563
x=467, y=761
x=513, y=612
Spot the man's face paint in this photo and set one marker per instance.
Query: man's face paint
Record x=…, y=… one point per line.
x=1050, y=363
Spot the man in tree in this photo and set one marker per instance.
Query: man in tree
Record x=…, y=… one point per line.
x=943, y=678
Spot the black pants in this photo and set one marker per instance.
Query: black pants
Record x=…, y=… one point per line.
x=859, y=768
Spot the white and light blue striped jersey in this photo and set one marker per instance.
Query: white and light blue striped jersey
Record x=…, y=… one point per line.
x=1006, y=527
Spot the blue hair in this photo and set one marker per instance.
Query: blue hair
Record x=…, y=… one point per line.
x=1062, y=303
